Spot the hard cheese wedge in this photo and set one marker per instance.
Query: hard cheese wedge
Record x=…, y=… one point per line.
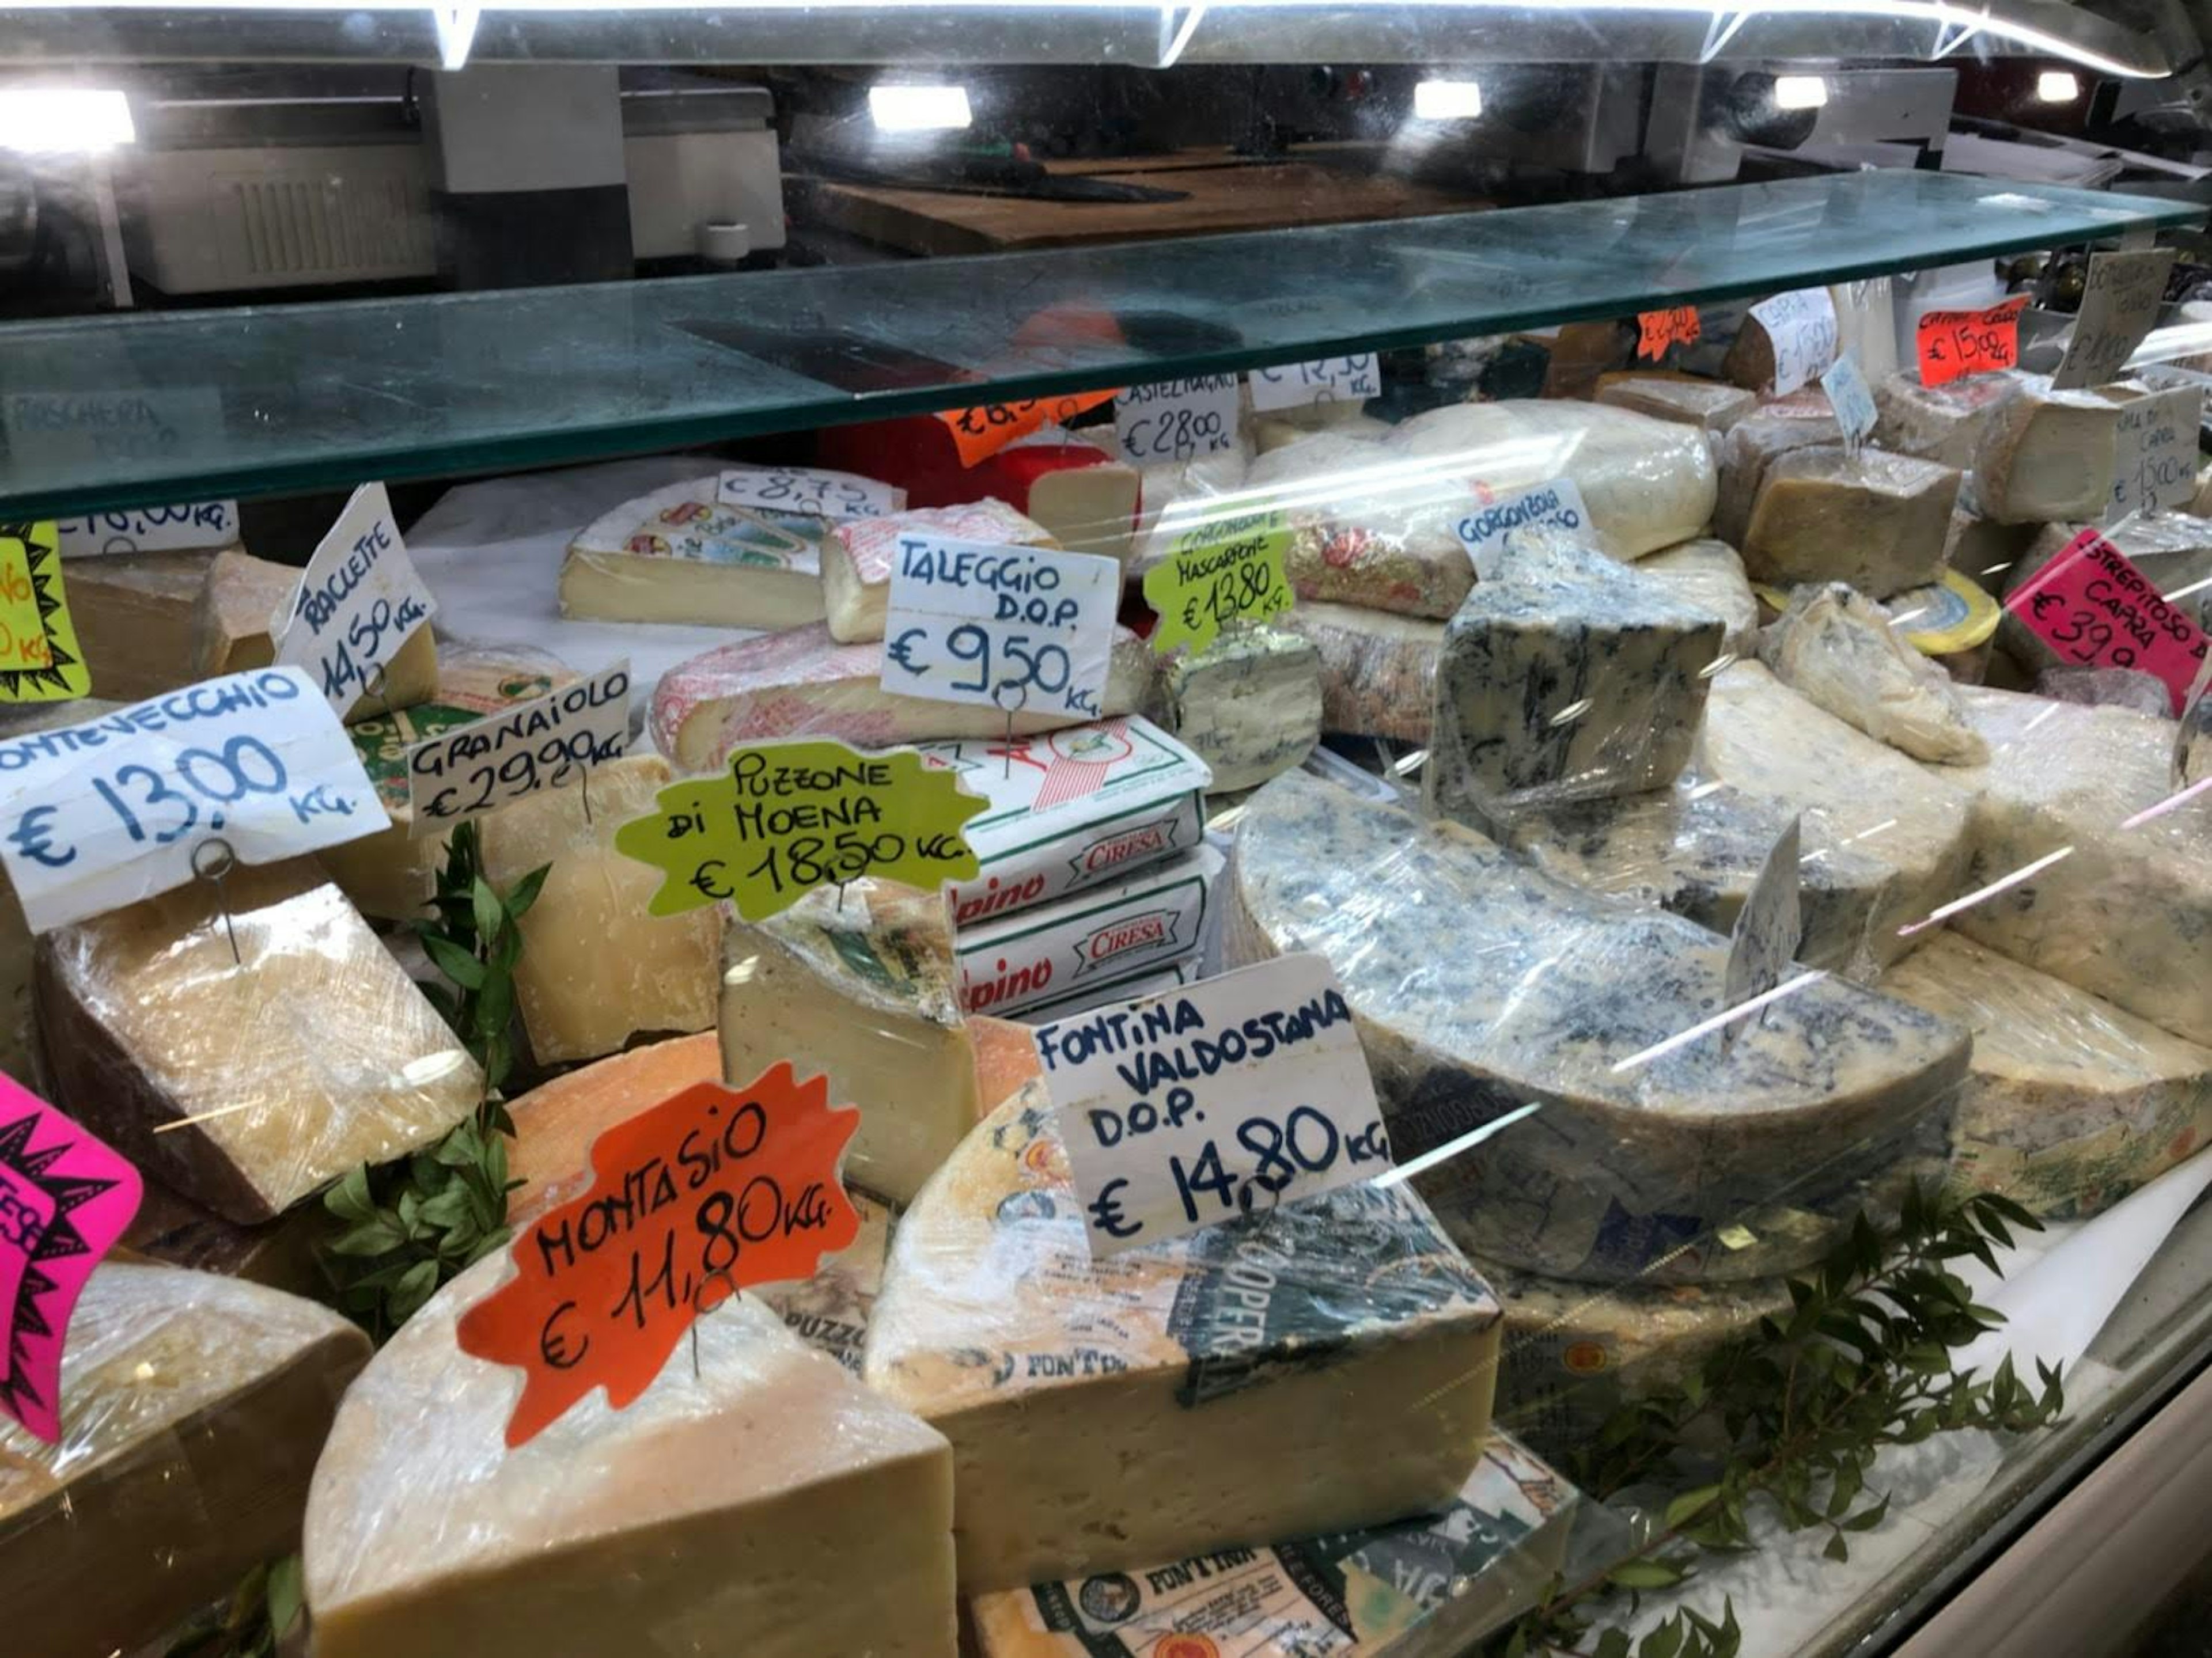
x=1214, y=1350
x=1378, y=671
x=1421, y=1587
x=596, y=969
x=1752, y=446
x=230, y=617
x=1937, y=423
x=133, y=613
x=768, y=1507
x=857, y=557
x=1709, y=575
x=679, y=555
x=1481, y=985
x=1879, y=522
x=247, y=1087
x=192, y=1410
x=862, y=987
x=2044, y=455
x=2072, y=1103
x=804, y=683
x=1709, y=405
x=1248, y=704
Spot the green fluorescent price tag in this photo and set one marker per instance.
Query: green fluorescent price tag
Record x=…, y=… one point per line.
x=1230, y=570
x=788, y=817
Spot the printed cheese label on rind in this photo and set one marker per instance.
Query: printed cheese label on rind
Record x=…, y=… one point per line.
x=2095, y=609
x=1023, y=629
x=1801, y=327
x=2120, y=301
x=1175, y=420
x=813, y=491
x=547, y=743
x=1229, y=1097
x=150, y=530
x=100, y=815
x=41, y=660
x=1325, y=379
x=65, y=1198
x=358, y=600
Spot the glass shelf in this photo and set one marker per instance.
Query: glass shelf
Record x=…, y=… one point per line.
x=138, y=411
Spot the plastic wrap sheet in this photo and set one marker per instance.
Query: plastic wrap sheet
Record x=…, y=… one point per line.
x=246, y=1086
x=857, y=557
x=1750, y=447
x=683, y=555
x=1937, y=423
x=1835, y=649
x=1378, y=670
x=701, y=1520
x=1185, y=487
x=1879, y=522
x=2071, y=1103
x=1485, y=989
x=1708, y=574
x=193, y=1407
x=1215, y=1349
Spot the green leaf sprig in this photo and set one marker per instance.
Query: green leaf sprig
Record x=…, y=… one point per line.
x=410, y=1225
x=1803, y=1403
x=251, y=1622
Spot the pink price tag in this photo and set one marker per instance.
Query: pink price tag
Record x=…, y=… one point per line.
x=2093, y=607
x=65, y=1198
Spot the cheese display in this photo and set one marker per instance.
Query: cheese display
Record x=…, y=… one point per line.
x=681, y=554
x=1072, y=809
x=596, y=969
x=247, y=1085
x=1709, y=575
x=1647, y=1137
x=1570, y=679
x=1751, y=448
x=1092, y=939
x=861, y=986
x=193, y=1407
x=2071, y=1103
x=2045, y=455
x=1648, y=483
x=1215, y=1350
x=857, y=557
x=1427, y=1585
x=1378, y=671
x=1835, y=649
x=1709, y=405
x=2119, y=908
x=392, y=874
x=802, y=682
x=703, y=1513
x=1248, y=704
x=231, y=613
x=1879, y=522
x=1937, y=423
x=1367, y=527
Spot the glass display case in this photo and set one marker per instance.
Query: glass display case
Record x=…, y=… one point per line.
x=1078, y=830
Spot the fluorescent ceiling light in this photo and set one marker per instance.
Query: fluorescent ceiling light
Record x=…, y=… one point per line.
x=2056, y=86
x=48, y=120
x=1447, y=100
x=918, y=109
x=1800, y=91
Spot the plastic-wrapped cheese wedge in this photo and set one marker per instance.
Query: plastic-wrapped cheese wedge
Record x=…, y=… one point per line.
x=857, y=557
x=1879, y=522
x=1481, y=985
x=681, y=554
x=1378, y=671
x=2124, y=913
x=1214, y=1350
x=861, y=985
x=804, y=683
x=2072, y=1102
x=766, y=1507
x=1937, y=423
x=596, y=969
x=134, y=619
x=1709, y=575
x=1248, y=704
x=1709, y=405
x=246, y=1086
x=1425, y=1587
x=2044, y=455
x=1835, y=648
x=1754, y=445
x=192, y=1409
x=1367, y=527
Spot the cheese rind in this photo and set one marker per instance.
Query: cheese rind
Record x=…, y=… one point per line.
x=192, y=1409
x=803, y=684
x=1248, y=704
x=1839, y=653
x=863, y=986
x=2071, y=1103
x=857, y=557
x=247, y=1087
x=680, y=555
x=1378, y=670
x=1214, y=1350
x=1879, y=522
x=1643, y=1144
x=701, y=1518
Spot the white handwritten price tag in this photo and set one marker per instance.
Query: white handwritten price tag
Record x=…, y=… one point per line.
x=1554, y=504
x=810, y=490
x=1176, y=420
x=1852, y=399
x=100, y=815
x=1022, y=628
x=543, y=744
x=358, y=600
x=150, y=530
x=1800, y=325
x=1325, y=379
x=1220, y=1099
x=2120, y=301
x=2154, y=451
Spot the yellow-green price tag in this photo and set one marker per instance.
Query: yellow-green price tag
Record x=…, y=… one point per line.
x=39, y=658
x=788, y=817
x=1230, y=570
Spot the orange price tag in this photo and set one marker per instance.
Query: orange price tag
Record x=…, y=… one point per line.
x=1658, y=330
x=1955, y=344
x=981, y=431
x=712, y=1190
